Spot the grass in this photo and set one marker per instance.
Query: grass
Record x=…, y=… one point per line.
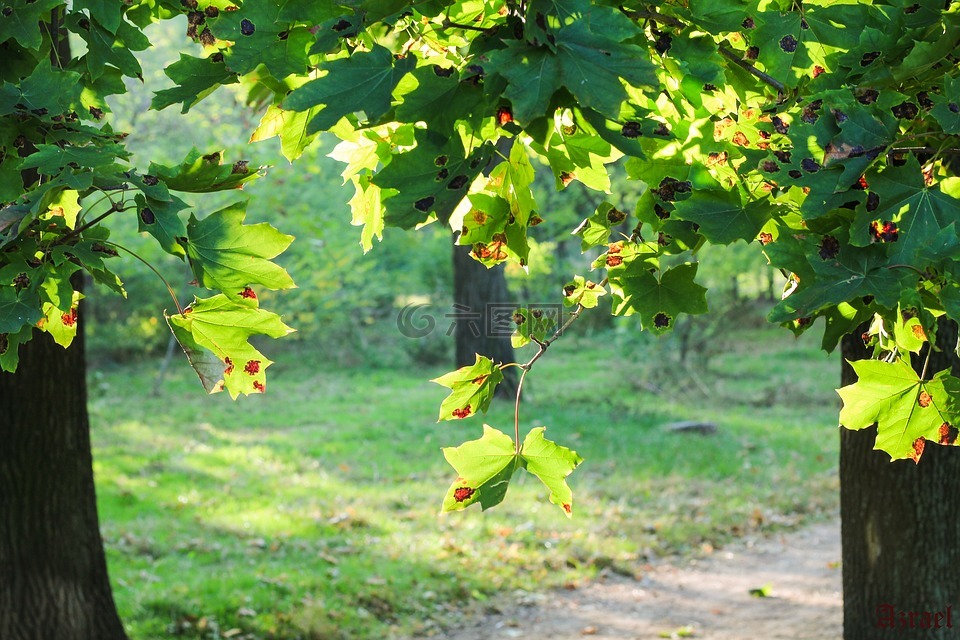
x=312, y=512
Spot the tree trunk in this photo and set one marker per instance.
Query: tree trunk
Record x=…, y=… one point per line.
x=53, y=572
x=479, y=296
x=900, y=527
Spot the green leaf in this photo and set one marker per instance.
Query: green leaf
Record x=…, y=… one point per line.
x=262, y=34
x=907, y=410
x=853, y=273
x=24, y=21
x=596, y=229
x=439, y=100
x=484, y=468
x=289, y=126
x=214, y=333
x=228, y=255
x=590, y=65
x=552, y=464
x=106, y=48
x=18, y=309
x=204, y=173
x=722, y=216
x=946, y=108
x=533, y=323
x=367, y=211
x=657, y=297
x=362, y=82
x=50, y=159
x=60, y=321
x=431, y=178
x=580, y=291
x=471, y=389
x=46, y=88
x=196, y=78
x=161, y=219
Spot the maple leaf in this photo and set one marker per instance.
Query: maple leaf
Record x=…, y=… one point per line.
x=471, y=389
x=904, y=407
x=228, y=255
x=214, y=333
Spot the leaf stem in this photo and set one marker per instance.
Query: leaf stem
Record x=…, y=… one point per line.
x=543, y=346
x=170, y=290
x=908, y=266
x=926, y=362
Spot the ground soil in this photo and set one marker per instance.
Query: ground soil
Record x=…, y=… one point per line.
x=708, y=597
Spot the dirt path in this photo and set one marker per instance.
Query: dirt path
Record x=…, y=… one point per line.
x=710, y=596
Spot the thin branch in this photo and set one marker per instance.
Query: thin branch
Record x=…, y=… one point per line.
x=170, y=290
x=543, y=346
x=87, y=225
x=950, y=152
x=447, y=22
x=749, y=68
x=653, y=15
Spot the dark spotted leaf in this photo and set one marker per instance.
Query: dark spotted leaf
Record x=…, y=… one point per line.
x=904, y=407
x=722, y=216
x=583, y=292
x=658, y=297
x=430, y=179
x=23, y=21
x=200, y=173
x=534, y=323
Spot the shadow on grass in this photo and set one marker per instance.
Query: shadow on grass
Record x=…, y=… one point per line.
x=311, y=512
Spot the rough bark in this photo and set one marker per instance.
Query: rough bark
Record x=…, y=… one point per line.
x=900, y=528
x=53, y=573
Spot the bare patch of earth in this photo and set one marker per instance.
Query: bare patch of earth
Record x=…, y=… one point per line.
x=708, y=597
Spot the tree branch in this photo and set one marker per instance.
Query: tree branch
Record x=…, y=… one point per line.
x=653, y=15
x=749, y=68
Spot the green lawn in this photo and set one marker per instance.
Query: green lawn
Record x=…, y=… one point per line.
x=312, y=512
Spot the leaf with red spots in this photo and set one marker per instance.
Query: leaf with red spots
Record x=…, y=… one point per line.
x=484, y=468
x=471, y=389
x=552, y=464
x=904, y=407
x=61, y=323
x=215, y=332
